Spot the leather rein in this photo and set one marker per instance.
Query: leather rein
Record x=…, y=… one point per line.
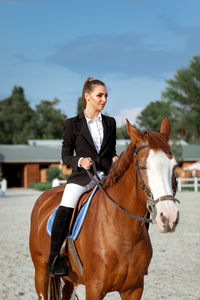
x=151, y=203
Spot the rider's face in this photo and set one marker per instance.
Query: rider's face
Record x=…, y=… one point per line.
x=97, y=98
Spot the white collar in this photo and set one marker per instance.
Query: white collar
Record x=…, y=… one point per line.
x=99, y=118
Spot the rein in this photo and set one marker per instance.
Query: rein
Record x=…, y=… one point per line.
x=151, y=203
x=97, y=182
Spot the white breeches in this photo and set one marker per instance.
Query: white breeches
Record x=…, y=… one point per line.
x=72, y=193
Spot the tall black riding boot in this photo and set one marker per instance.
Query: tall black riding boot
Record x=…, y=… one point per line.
x=58, y=264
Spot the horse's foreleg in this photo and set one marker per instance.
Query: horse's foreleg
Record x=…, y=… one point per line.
x=41, y=279
x=93, y=292
x=135, y=294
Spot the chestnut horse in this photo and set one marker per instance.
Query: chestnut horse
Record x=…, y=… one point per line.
x=114, y=247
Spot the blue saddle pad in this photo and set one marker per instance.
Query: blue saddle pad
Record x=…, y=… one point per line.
x=79, y=220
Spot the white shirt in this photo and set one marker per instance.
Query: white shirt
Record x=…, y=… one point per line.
x=96, y=130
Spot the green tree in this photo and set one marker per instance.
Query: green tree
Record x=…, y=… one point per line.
x=176, y=150
x=49, y=120
x=122, y=133
x=79, y=106
x=184, y=91
x=16, y=117
x=53, y=172
x=151, y=117
x=19, y=122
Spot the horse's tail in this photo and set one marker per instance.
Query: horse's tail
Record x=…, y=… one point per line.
x=59, y=288
x=55, y=288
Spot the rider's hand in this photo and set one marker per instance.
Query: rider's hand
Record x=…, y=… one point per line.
x=114, y=159
x=86, y=163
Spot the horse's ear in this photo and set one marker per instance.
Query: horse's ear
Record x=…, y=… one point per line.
x=132, y=132
x=165, y=127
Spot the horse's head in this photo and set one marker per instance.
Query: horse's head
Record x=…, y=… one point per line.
x=155, y=166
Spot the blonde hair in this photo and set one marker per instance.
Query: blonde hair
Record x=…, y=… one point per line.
x=88, y=88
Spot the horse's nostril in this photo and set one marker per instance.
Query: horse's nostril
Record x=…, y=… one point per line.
x=164, y=219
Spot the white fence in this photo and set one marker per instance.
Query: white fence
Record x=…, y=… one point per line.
x=3, y=187
x=188, y=183
x=56, y=182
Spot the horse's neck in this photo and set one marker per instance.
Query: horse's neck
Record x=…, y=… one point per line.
x=124, y=193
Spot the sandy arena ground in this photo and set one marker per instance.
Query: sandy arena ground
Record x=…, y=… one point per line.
x=174, y=271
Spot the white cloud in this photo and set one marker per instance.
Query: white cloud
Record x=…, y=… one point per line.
x=130, y=114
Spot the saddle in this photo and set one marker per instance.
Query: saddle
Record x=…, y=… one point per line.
x=79, y=204
x=78, y=217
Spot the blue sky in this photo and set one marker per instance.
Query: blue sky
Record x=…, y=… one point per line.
x=50, y=47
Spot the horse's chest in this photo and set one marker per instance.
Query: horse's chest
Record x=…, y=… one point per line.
x=134, y=257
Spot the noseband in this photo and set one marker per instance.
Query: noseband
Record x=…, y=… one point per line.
x=151, y=203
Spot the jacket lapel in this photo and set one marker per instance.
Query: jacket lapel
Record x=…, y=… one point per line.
x=85, y=131
x=106, y=133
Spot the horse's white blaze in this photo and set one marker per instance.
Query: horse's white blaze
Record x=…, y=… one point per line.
x=159, y=174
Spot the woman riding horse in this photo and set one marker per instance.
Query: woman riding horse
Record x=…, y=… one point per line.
x=113, y=245
x=93, y=137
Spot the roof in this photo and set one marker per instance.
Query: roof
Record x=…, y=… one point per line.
x=56, y=143
x=52, y=153
x=31, y=154
x=191, y=152
x=44, y=142
x=27, y=153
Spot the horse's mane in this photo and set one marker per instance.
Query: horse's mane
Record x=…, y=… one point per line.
x=119, y=167
x=156, y=141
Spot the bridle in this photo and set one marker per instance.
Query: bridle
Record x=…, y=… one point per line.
x=151, y=203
